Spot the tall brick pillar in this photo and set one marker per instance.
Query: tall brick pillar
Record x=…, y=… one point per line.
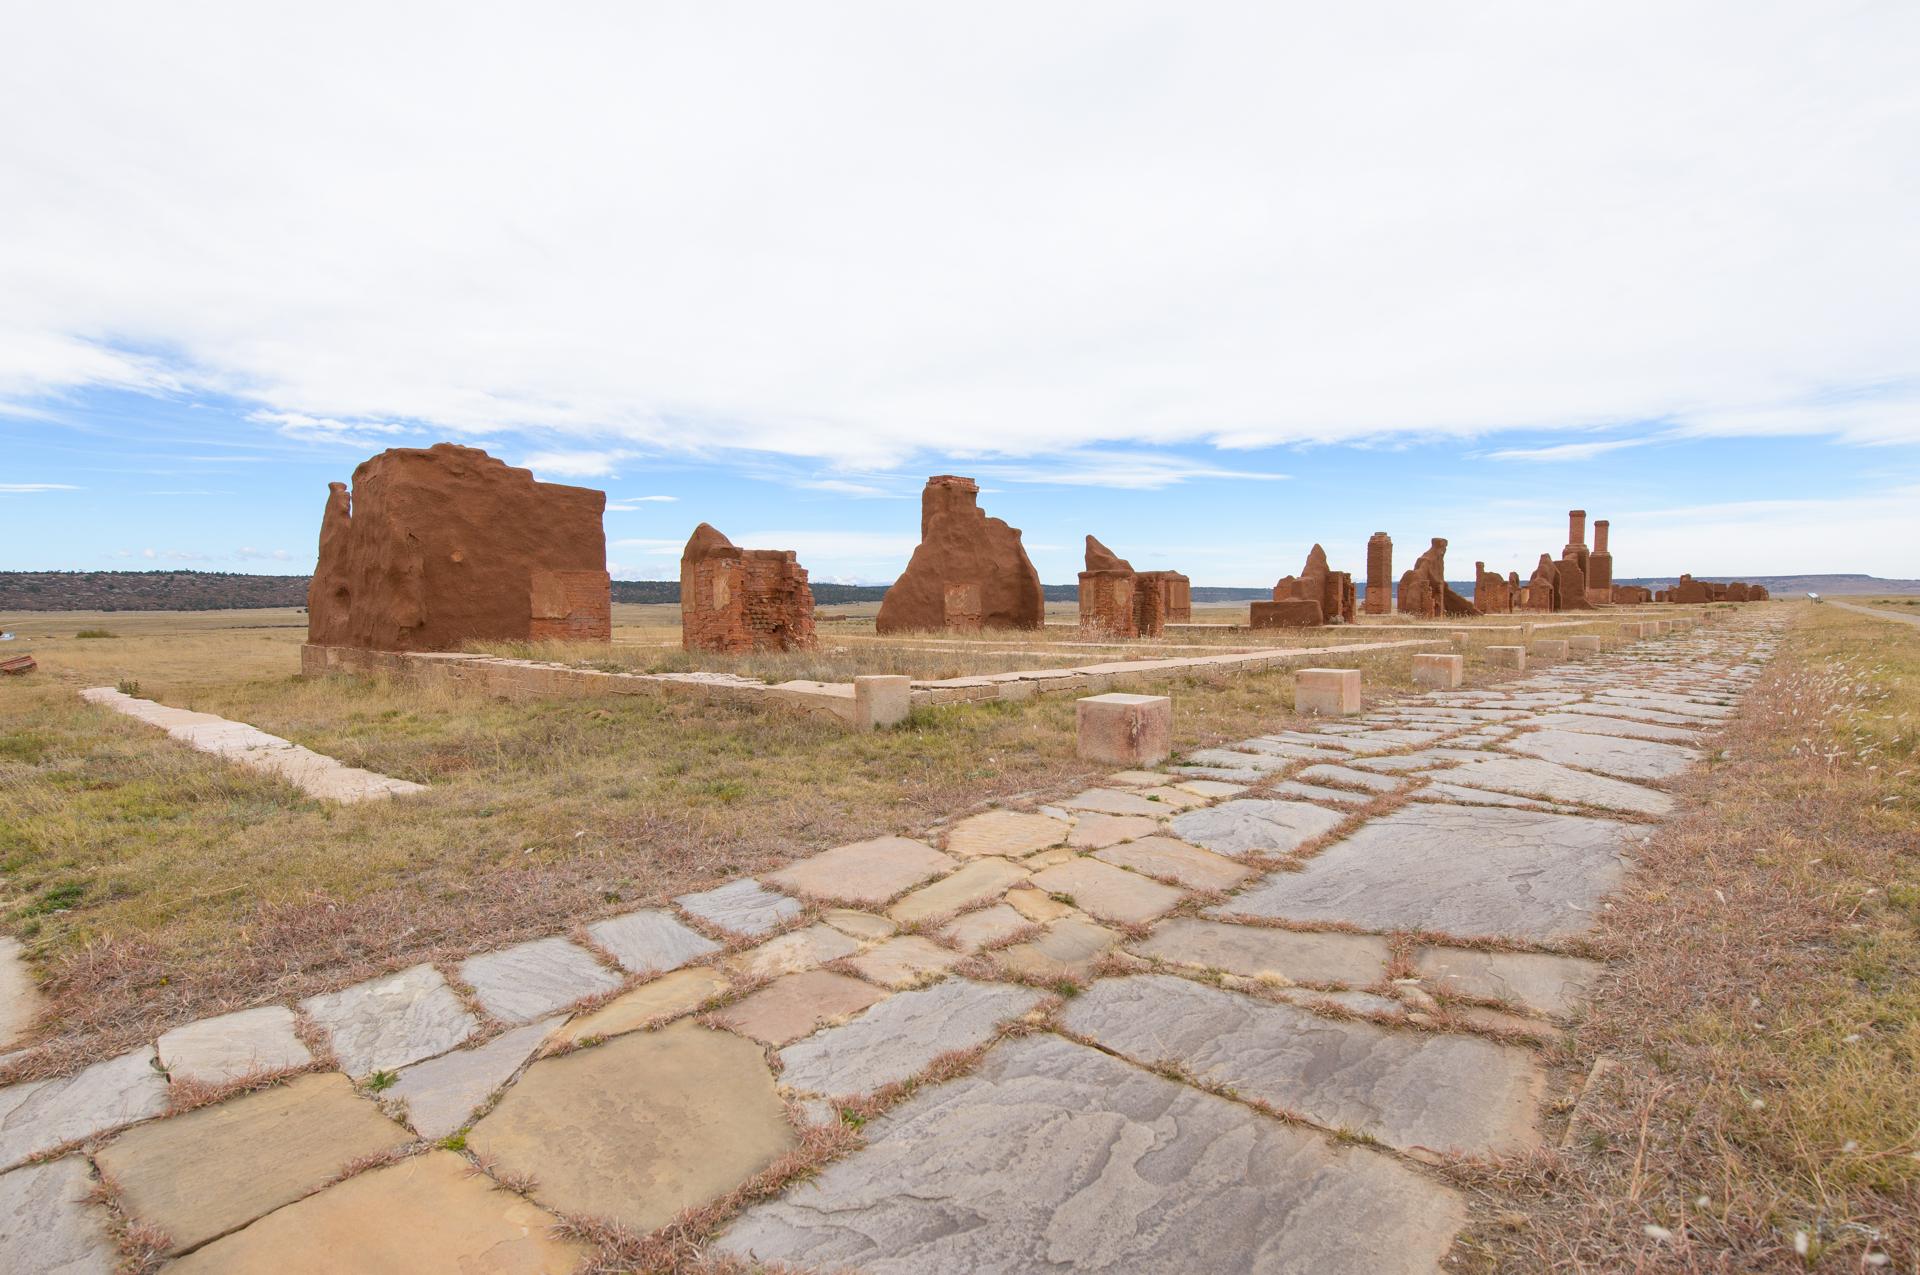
x=1600, y=566
x=1379, y=574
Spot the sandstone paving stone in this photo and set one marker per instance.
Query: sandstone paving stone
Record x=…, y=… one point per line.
x=1053, y=1156
x=1632, y=713
x=1423, y=759
x=209, y=1171
x=1619, y=757
x=1351, y=777
x=1049, y=857
x=972, y=931
x=794, y=951
x=1107, y=892
x=392, y=1021
x=1112, y=801
x=1470, y=872
x=442, y=1093
x=1172, y=797
x=1317, y=748
x=899, y=1037
x=1252, y=826
x=904, y=960
x=788, y=1008
x=1258, y=951
x=668, y=996
x=1037, y=905
x=1313, y=792
x=1222, y=763
x=425, y=1215
x=1311, y=739
x=1351, y=1001
x=1093, y=832
x=1625, y=727
x=46, y=1224
x=1068, y=946
x=1211, y=789
x=1011, y=833
x=1539, y=981
x=39, y=1115
x=531, y=980
x=20, y=998
x=980, y=881
x=860, y=925
x=1440, y=791
x=1681, y=704
x=1137, y=778
x=1531, y=777
x=1165, y=859
x=1411, y=1090
x=651, y=941
x=869, y=872
x=233, y=1045
x=641, y=1127
x=741, y=907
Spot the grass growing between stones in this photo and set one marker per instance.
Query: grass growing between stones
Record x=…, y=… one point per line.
x=1762, y=1109
x=154, y=884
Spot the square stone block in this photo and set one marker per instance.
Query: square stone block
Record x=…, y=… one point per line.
x=1331, y=692
x=1438, y=670
x=1550, y=648
x=1125, y=730
x=881, y=700
x=1583, y=645
x=868, y=872
x=1513, y=657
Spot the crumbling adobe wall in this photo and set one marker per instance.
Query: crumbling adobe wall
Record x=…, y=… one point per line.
x=1288, y=613
x=435, y=547
x=1332, y=591
x=1543, y=590
x=1572, y=591
x=1424, y=591
x=1600, y=566
x=1117, y=601
x=740, y=600
x=969, y=571
x=1631, y=594
x=1490, y=592
x=1379, y=574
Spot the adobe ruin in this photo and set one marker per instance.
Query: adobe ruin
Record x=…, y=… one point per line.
x=739, y=600
x=1379, y=574
x=1600, y=566
x=1571, y=594
x=1543, y=589
x=1631, y=594
x=436, y=547
x=1331, y=593
x=1424, y=591
x=1491, y=592
x=1117, y=601
x=969, y=571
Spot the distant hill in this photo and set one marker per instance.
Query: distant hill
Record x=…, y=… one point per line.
x=227, y=590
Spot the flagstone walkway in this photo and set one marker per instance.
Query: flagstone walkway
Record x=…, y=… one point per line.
x=1234, y=1016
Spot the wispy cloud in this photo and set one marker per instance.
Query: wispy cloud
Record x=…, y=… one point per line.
x=845, y=487
x=627, y=504
x=1566, y=451
x=577, y=464
x=1121, y=470
x=18, y=488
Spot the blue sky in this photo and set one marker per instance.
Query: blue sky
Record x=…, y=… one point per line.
x=1210, y=281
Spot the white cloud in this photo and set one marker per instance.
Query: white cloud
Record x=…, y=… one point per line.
x=1565, y=451
x=846, y=487
x=576, y=464
x=859, y=234
x=19, y=488
x=627, y=504
x=272, y=555
x=1125, y=471
x=173, y=555
x=315, y=429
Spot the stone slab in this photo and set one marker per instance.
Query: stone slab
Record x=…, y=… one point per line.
x=1294, y=956
x=1539, y=981
x=426, y=1215
x=1457, y=795
x=1622, y=758
x=864, y=926
x=1632, y=712
x=668, y=996
x=1351, y=777
x=1252, y=826
x=1531, y=777
x=899, y=1037
x=532, y=980
x=789, y=1008
x=1411, y=1090
x=1107, y=892
x=39, y=1115
x=1211, y=789
x=794, y=951
x=978, y=882
x=974, y=930
x=641, y=1127
x=389, y=1022
x=1113, y=801
x=651, y=941
x=1053, y=1156
x=1593, y=724
x=226, y=1048
x=1313, y=792
x=1464, y=871
x=741, y=907
x=1069, y=946
x=865, y=872
x=442, y=1093
x=210, y=1171
x=1092, y=832
x=1011, y=833
x=20, y=999
x=48, y=1227
x=1165, y=859
x=904, y=960
x=1244, y=765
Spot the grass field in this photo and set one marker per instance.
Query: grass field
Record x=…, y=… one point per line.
x=154, y=884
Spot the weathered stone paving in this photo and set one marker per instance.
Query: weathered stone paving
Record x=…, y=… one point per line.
x=1225, y=1017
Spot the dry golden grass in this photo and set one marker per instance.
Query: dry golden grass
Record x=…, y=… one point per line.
x=1763, y=1012
x=154, y=884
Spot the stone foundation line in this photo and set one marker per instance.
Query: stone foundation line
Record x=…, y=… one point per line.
x=313, y=773
x=1505, y=813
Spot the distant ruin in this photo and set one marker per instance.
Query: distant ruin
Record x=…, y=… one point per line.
x=1631, y=594
x=969, y=572
x=440, y=546
x=1543, y=589
x=1492, y=593
x=1329, y=592
x=1688, y=589
x=1424, y=591
x=1571, y=594
x=1117, y=601
x=740, y=600
x=1379, y=574
x=1600, y=566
